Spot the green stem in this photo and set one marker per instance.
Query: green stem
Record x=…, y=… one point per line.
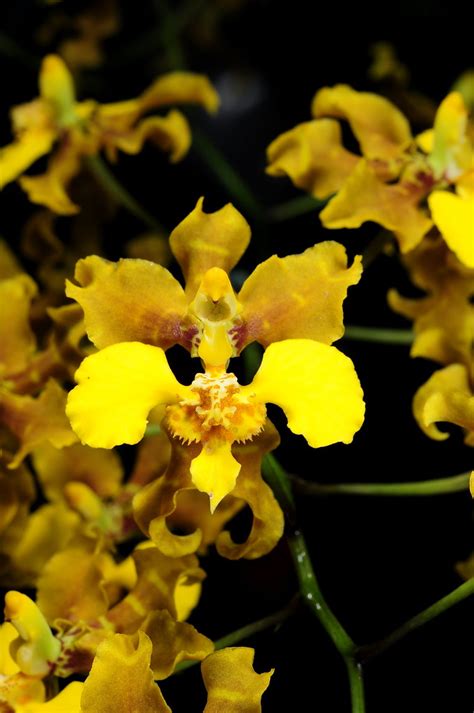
x=293, y=208
x=308, y=583
x=440, y=486
x=458, y=595
x=226, y=174
x=356, y=683
x=382, y=336
x=101, y=171
x=245, y=632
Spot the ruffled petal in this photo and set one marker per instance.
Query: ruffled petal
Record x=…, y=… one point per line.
x=232, y=684
x=268, y=521
x=22, y=153
x=446, y=396
x=181, y=88
x=121, y=680
x=206, y=240
x=313, y=157
x=365, y=197
x=316, y=386
x=173, y=641
x=117, y=388
x=17, y=341
x=380, y=128
x=152, y=300
x=297, y=296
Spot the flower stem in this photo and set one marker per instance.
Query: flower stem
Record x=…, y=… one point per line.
x=226, y=174
x=458, y=595
x=440, y=486
x=293, y=208
x=245, y=632
x=101, y=171
x=382, y=336
x=309, y=587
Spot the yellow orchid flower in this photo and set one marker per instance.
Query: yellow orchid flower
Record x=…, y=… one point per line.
x=85, y=128
x=394, y=174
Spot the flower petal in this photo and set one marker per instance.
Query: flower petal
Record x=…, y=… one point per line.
x=365, y=197
x=152, y=300
x=316, y=386
x=173, y=641
x=313, y=156
x=214, y=471
x=121, y=680
x=22, y=153
x=67, y=701
x=380, y=128
x=181, y=88
x=268, y=521
x=231, y=682
x=17, y=341
x=297, y=296
x=454, y=216
x=205, y=240
x=117, y=389
x=446, y=396
x=451, y=153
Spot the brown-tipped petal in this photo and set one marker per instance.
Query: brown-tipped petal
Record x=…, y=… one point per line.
x=232, y=684
x=205, y=240
x=297, y=296
x=127, y=301
x=173, y=641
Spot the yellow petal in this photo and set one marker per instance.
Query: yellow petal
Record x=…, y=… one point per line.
x=316, y=386
x=365, y=197
x=298, y=296
x=117, y=388
x=205, y=240
x=187, y=598
x=121, y=680
x=425, y=140
x=131, y=300
x=57, y=87
x=170, y=133
x=214, y=471
x=100, y=469
x=67, y=701
x=268, y=521
x=8, y=633
x=34, y=421
x=232, y=684
x=446, y=396
x=380, y=128
x=173, y=641
x=454, y=216
x=313, y=156
x=181, y=88
x=17, y=341
x=50, y=188
x=451, y=154
x=22, y=153
x=70, y=587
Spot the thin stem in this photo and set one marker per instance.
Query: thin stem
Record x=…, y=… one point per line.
x=458, y=595
x=376, y=247
x=226, y=174
x=245, y=632
x=379, y=335
x=293, y=208
x=356, y=683
x=440, y=486
x=101, y=171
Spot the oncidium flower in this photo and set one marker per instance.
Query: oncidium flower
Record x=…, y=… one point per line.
x=85, y=128
x=394, y=175
x=314, y=383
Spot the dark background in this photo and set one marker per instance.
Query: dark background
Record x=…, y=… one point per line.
x=379, y=561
